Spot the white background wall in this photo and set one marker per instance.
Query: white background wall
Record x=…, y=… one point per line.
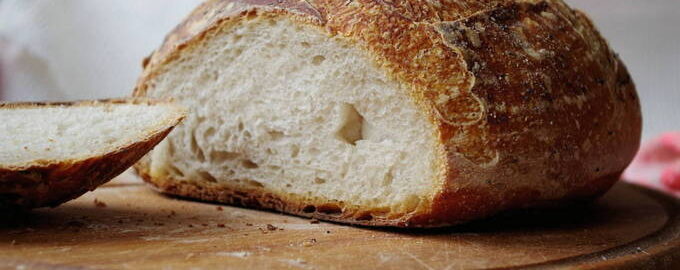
x=647, y=35
x=76, y=49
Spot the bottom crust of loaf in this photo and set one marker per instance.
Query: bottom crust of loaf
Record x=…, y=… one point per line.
x=446, y=209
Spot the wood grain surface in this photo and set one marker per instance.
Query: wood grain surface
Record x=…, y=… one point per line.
x=126, y=225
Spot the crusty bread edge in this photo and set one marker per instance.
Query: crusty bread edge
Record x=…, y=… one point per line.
x=460, y=207
x=53, y=182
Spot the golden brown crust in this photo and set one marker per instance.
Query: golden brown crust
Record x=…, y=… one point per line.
x=52, y=182
x=530, y=102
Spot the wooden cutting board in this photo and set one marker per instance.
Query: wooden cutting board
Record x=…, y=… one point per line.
x=125, y=225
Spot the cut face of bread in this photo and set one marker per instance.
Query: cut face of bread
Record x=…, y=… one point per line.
x=378, y=113
x=286, y=108
x=55, y=152
x=44, y=133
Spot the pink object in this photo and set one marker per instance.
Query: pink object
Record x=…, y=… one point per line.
x=657, y=165
x=670, y=177
x=2, y=63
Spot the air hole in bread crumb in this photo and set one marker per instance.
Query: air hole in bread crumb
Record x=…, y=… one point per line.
x=249, y=164
x=240, y=126
x=305, y=44
x=209, y=133
x=389, y=177
x=207, y=176
x=200, y=120
x=222, y=156
x=318, y=60
x=329, y=209
x=319, y=181
x=175, y=171
x=294, y=151
x=365, y=216
x=171, y=147
x=275, y=135
x=196, y=149
x=309, y=209
x=352, y=127
x=254, y=183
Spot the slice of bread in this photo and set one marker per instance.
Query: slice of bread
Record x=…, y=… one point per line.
x=409, y=113
x=53, y=152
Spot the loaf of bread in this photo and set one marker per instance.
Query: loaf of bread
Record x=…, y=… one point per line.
x=53, y=152
x=407, y=113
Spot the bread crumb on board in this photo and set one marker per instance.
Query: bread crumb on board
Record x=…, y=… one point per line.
x=309, y=242
x=268, y=228
x=99, y=203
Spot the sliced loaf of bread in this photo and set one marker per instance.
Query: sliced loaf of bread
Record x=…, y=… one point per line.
x=54, y=152
x=405, y=113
